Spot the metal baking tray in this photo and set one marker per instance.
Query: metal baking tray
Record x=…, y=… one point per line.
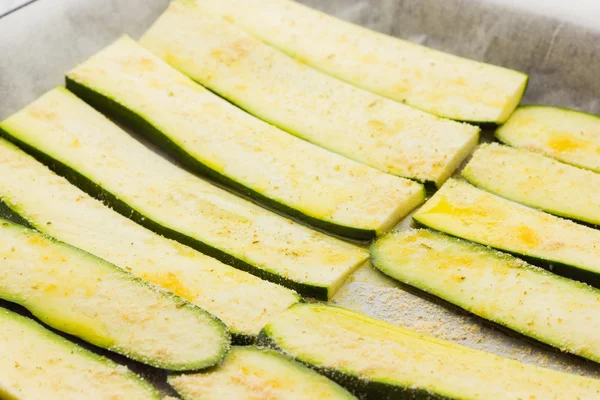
x=42, y=40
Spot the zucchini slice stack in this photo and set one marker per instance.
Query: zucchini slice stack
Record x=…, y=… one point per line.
x=39, y=364
x=94, y=153
x=82, y=295
x=50, y=204
x=462, y=210
x=253, y=373
x=355, y=123
x=536, y=181
x=495, y=286
x=437, y=82
x=212, y=136
x=378, y=360
x=570, y=136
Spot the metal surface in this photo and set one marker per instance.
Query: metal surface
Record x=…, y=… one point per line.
x=40, y=42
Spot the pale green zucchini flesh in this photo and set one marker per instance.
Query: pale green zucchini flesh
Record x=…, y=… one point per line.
x=360, y=125
x=465, y=211
x=52, y=205
x=213, y=137
x=39, y=364
x=101, y=158
x=377, y=360
x=496, y=286
x=254, y=373
x=536, y=181
x=433, y=81
x=570, y=136
x=82, y=295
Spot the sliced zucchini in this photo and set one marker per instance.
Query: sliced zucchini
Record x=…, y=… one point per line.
x=436, y=82
x=536, y=181
x=355, y=123
x=50, y=204
x=82, y=295
x=91, y=151
x=377, y=360
x=39, y=364
x=253, y=373
x=569, y=136
x=495, y=286
x=213, y=137
x=462, y=210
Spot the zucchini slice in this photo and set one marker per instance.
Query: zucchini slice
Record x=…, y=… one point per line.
x=462, y=210
x=536, y=181
x=570, y=136
x=378, y=360
x=436, y=82
x=496, y=286
x=50, y=204
x=84, y=296
x=39, y=364
x=213, y=137
x=360, y=125
x=94, y=153
x=253, y=373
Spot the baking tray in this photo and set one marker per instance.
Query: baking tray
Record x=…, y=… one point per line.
x=40, y=42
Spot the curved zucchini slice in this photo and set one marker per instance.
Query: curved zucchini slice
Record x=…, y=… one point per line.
x=462, y=210
x=378, y=360
x=496, y=286
x=39, y=364
x=92, y=152
x=213, y=137
x=536, y=181
x=84, y=296
x=50, y=204
x=360, y=125
x=253, y=373
x=570, y=136
x=428, y=79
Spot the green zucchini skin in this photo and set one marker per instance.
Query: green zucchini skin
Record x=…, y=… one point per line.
x=359, y=386
x=566, y=270
x=378, y=360
x=266, y=367
x=570, y=118
x=552, y=186
x=87, y=185
x=480, y=280
x=73, y=352
x=92, y=336
x=11, y=215
x=187, y=31
x=7, y=212
x=377, y=62
x=572, y=271
x=134, y=120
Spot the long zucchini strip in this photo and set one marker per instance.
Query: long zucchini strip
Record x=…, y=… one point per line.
x=95, y=154
x=377, y=360
x=52, y=205
x=437, y=82
x=82, y=295
x=536, y=181
x=213, y=137
x=462, y=210
x=360, y=125
x=39, y=364
x=253, y=373
x=495, y=286
x=570, y=136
